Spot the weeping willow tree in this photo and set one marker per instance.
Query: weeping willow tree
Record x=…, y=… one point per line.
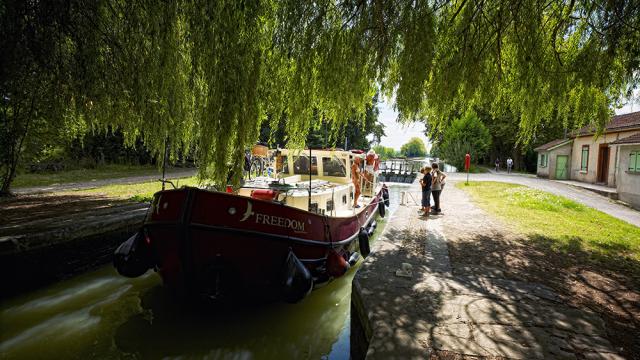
x=204, y=75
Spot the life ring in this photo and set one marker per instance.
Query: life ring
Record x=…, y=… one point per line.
x=363, y=242
x=381, y=209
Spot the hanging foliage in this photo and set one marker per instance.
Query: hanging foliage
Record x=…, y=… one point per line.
x=204, y=75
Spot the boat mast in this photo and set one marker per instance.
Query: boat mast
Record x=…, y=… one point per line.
x=164, y=160
x=309, y=208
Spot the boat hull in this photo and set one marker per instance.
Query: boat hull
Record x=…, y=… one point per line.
x=225, y=244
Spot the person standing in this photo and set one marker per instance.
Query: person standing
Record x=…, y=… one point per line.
x=437, y=180
x=355, y=177
x=497, y=164
x=509, y=165
x=425, y=183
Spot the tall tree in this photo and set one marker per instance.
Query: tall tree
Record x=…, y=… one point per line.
x=206, y=74
x=414, y=148
x=385, y=152
x=466, y=134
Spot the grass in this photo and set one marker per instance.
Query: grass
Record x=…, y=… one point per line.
x=563, y=224
x=112, y=171
x=476, y=169
x=141, y=192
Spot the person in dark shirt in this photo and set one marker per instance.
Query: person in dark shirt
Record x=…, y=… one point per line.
x=437, y=183
x=425, y=182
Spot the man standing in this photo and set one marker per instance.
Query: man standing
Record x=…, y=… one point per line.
x=497, y=164
x=509, y=165
x=355, y=177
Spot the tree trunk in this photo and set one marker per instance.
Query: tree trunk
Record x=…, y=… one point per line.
x=7, y=179
x=15, y=150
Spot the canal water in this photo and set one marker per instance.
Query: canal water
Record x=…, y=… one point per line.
x=103, y=315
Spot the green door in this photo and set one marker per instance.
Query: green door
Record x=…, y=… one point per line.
x=561, y=167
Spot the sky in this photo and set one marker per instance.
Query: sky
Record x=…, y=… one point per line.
x=632, y=105
x=399, y=134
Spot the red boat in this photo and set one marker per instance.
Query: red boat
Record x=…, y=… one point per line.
x=278, y=237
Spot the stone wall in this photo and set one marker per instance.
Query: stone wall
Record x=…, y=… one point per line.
x=82, y=242
x=543, y=171
x=628, y=183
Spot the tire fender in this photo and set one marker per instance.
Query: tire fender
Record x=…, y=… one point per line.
x=385, y=195
x=381, y=208
x=363, y=242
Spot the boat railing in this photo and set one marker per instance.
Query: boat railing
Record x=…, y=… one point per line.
x=165, y=181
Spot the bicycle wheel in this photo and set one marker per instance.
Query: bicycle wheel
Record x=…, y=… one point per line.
x=256, y=169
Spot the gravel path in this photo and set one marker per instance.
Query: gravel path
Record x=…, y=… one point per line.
x=174, y=173
x=582, y=196
x=419, y=302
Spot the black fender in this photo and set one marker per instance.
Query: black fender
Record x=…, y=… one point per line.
x=297, y=281
x=363, y=242
x=385, y=195
x=133, y=257
x=381, y=208
x=372, y=228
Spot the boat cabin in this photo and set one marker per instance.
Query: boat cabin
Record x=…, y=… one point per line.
x=327, y=172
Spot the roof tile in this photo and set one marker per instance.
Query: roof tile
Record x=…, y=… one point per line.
x=633, y=139
x=617, y=123
x=551, y=144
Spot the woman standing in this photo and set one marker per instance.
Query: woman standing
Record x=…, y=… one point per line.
x=425, y=182
x=436, y=187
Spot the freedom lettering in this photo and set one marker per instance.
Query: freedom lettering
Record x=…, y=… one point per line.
x=280, y=222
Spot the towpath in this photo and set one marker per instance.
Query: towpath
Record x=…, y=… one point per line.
x=574, y=193
x=451, y=287
x=173, y=174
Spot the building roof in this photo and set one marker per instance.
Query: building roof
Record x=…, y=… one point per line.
x=617, y=123
x=633, y=139
x=553, y=144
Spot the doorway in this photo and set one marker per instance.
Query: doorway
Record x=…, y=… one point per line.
x=603, y=164
x=561, y=167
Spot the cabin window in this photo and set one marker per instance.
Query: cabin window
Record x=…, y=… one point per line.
x=301, y=165
x=329, y=205
x=334, y=167
x=584, y=164
x=634, y=161
x=313, y=207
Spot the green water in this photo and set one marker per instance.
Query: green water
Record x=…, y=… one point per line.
x=103, y=315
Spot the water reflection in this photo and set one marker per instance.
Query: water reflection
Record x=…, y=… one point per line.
x=304, y=330
x=140, y=319
x=103, y=315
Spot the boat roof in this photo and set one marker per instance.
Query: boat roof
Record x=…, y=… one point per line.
x=321, y=152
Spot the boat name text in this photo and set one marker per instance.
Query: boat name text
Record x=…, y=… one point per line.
x=280, y=222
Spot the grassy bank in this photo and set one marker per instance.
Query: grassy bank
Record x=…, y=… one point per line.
x=112, y=171
x=560, y=223
x=141, y=192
